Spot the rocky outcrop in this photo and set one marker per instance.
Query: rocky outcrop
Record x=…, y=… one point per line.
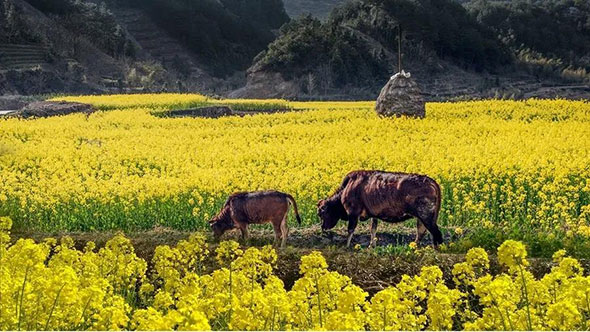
x=401, y=96
x=267, y=84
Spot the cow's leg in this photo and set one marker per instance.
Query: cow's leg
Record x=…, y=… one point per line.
x=427, y=214
x=352, y=222
x=429, y=222
x=284, y=231
x=276, y=225
x=420, y=231
x=437, y=238
x=373, y=242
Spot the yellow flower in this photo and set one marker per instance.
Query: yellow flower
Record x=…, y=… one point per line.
x=504, y=172
x=74, y=289
x=584, y=231
x=227, y=252
x=512, y=254
x=313, y=263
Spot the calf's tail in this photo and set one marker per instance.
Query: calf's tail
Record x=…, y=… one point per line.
x=292, y=201
x=438, y=201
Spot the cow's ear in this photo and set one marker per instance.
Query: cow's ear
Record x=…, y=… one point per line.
x=320, y=202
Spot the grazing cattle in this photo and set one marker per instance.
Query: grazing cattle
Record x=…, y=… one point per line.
x=258, y=207
x=391, y=197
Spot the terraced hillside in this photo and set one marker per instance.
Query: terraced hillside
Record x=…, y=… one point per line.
x=155, y=44
x=91, y=46
x=23, y=56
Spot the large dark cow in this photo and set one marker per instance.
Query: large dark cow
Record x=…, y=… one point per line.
x=391, y=197
x=258, y=207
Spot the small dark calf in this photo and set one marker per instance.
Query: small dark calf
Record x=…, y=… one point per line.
x=258, y=207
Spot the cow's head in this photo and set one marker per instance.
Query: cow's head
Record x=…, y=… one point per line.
x=329, y=213
x=220, y=226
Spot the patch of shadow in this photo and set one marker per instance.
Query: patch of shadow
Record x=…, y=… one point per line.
x=214, y=112
x=44, y=109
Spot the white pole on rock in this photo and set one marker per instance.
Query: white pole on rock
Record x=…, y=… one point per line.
x=399, y=49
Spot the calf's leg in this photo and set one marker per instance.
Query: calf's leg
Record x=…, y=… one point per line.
x=276, y=226
x=244, y=230
x=284, y=231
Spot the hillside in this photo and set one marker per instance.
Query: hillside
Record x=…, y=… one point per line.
x=38, y=55
x=343, y=50
x=225, y=35
x=49, y=46
x=534, y=32
x=492, y=49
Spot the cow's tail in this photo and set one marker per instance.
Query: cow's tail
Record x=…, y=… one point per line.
x=292, y=201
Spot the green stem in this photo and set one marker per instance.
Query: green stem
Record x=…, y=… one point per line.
x=22, y=295
x=36, y=313
x=588, y=305
x=317, y=284
x=252, y=293
x=499, y=311
x=83, y=313
x=309, y=314
x=272, y=323
x=509, y=320
x=384, y=317
x=53, y=307
x=526, y=296
x=230, y=293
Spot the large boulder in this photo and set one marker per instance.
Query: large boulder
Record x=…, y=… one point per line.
x=401, y=96
x=43, y=109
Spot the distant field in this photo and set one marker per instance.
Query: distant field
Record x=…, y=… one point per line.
x=507, y=168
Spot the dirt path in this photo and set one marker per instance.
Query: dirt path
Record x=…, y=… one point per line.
x=305, y=238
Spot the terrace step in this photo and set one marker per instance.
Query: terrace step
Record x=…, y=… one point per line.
x=157, y=43
x=22, y=56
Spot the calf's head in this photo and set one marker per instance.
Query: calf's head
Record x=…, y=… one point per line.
x=219, y=226
x=329, y=213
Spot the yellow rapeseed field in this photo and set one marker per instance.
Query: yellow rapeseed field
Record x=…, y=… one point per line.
x=53, y=286
x=503, y=165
